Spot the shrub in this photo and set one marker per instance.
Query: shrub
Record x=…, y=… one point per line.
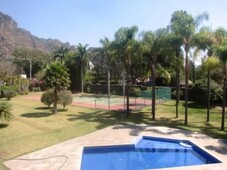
x=8, y=94
x=199, y=91
x=135, y=92
x=5, y=113
x=47, y=97
x=16, y=83
x=65, y=98
x=2, y=89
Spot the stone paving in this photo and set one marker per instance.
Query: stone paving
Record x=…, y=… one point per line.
x=67, y=155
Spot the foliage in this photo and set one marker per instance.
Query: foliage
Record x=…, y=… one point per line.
x=82, y=59
x=126, y=46
x=47, y=97
x=199, y=91
x=24, y=56
x=57, y=78
x=60, y=53
x=16, y=83
x=5, y=111
x=2, y=89
x=8, y=94
x=7, y=67
x=65, y=98
x=36, y=84
x=135, y=92
x=211, y=63
x=164, y=74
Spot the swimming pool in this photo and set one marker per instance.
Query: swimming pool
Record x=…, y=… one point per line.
x=146, y=153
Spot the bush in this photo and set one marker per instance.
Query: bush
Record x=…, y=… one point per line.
x=5, y=113
x=65, y=98
x=47, y=97
x=135, y=92
x=8, y=94
x=2, y=89
x=199, y=91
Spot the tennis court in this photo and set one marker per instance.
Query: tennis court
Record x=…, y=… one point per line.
x=113, y=103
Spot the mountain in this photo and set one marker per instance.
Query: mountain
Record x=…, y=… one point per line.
x=12, y=37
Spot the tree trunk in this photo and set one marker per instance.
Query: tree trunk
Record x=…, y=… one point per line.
x=108, y=81
x=153, y=87
x=177, y=90
x=127, y=86
x=193, y=74
x=186, y=84
x=123, y=86
x=224, y=99
x=55, y=101
x=82, y=78
x=208, y=96
x=177, y=86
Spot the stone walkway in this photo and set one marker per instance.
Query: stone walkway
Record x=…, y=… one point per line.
x=67, y=155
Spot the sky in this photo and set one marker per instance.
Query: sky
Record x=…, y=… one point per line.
x=88, y=21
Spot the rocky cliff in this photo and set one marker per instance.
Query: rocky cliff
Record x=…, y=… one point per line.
x=12, y=37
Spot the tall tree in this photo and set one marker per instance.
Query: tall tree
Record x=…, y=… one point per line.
x=107, y=53
x=174, y=49
x=60, y=53
x=210, y=64
x=221, y=47
x=153, y=43
x=83, y=59
x=56, y=77
x=125, y=45
x=204, y=40
x=183, y=25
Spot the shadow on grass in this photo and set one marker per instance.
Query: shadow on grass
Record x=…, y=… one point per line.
x=43, y=108
x=36, y=115
x=50, y=108
x=3, y=125
x=213, y=131
x=103, y=118
x=107, y=118
x=196, y=105
x=62, y=110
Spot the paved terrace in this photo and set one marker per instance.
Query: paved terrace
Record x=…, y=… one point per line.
x=67, y=155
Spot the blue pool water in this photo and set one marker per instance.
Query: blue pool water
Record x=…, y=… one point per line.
x=146, y=153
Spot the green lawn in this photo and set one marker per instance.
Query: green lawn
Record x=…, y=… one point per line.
x=33, y=127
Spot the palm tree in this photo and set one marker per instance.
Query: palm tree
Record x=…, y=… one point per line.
x=184, y=26
x=174, y=45
x=56, y=77
x=204, y=40
x=222, y=52
x=209, y=64
x=60, y=53
x=82, y=56
x=125, y=46
x=221, y=47
x=107, y=52
x=153, y=44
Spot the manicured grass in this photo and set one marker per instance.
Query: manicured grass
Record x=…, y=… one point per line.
x=33, y=127
x=165, y=116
